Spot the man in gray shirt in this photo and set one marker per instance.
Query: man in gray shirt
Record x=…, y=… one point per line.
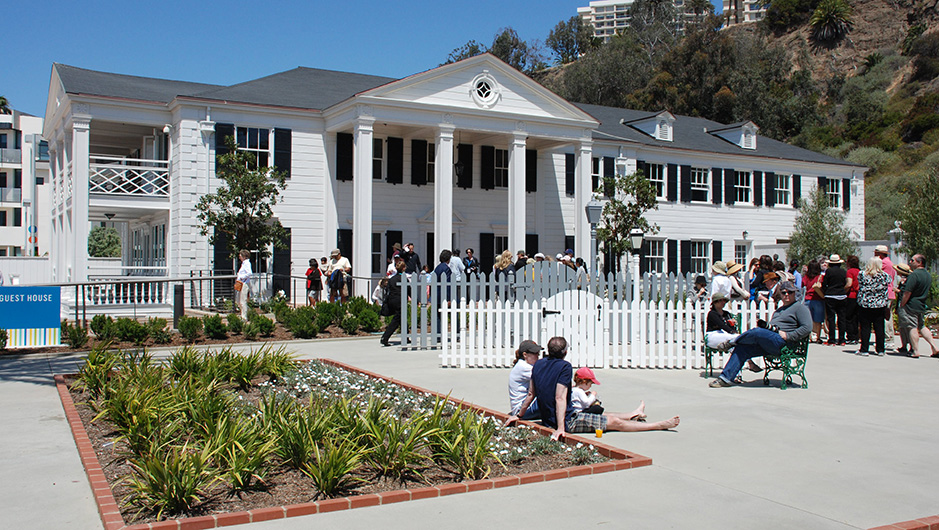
x=791, y=324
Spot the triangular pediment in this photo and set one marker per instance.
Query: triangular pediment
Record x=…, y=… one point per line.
x=479, y=84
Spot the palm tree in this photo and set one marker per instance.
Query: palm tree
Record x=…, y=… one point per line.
x=5, y=106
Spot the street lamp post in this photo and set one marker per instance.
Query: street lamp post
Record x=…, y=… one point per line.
x=594, y=210
x=635, y=239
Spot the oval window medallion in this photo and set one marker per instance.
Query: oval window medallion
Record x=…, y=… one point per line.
x=484, y=90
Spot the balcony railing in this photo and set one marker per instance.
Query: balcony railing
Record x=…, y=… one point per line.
x=11, y=195
x=11, y=156
x=129, y=176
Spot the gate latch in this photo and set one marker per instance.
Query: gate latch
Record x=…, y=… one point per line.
x=545, y=312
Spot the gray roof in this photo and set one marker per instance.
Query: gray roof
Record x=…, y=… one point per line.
x=93, y=83
x=689, y=133
x=312, y=88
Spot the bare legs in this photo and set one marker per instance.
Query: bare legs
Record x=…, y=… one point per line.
x=637, y=415
x=914, y=340
x=617, y=424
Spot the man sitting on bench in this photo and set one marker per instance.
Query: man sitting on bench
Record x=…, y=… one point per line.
x=791, y=324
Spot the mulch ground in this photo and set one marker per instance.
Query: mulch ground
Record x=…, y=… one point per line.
x=284, y=486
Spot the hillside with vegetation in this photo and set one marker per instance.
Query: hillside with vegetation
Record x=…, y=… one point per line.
x=855, y=79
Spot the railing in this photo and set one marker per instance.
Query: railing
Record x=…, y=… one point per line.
x=105, y=272
x=11, y=195
x=128, y=176
x=215, y=289
x=11, y=156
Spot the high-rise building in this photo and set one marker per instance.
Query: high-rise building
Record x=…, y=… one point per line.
x=609, y=17
x=24, y=197
x=743, y=11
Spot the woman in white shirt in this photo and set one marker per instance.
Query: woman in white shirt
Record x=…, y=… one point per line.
x=244, y=276
x=520, y=379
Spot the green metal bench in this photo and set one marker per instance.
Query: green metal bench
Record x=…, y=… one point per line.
x=790, y=361
x=709, y=352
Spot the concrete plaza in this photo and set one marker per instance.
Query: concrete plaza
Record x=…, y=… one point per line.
x=857, y=449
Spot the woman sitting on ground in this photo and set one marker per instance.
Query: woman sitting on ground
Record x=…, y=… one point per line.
x=520, y=378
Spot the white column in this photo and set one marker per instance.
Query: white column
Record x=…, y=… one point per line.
x=81, y=144
x=582, y=194
x=362, y=205
x=330, y=199
x=53, y=244
x=443, y=189
x=517, y=191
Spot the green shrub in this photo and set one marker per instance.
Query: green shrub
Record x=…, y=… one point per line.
x=303, y=323
x=3, y=339
x=215, y=327
x=265, y=325
x=173, y=482
x=831, y=20
x=369, y=320
x=872, y=157
x=252, y=330
x=158, y=331
x=103, y=327
x=96, y=372
x=350, y=324
x=190, y=328
x=75, y=336
x=331, y=467
x=327, y=314
x=356, y=305
x=235, y=324
x=129, y=330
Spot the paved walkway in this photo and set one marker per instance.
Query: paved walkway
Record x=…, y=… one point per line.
x=857, y=449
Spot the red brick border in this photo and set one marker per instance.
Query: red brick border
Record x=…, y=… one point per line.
x=926, y=523
x=112, y=519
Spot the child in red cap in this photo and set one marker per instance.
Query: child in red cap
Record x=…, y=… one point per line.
x=583, y=399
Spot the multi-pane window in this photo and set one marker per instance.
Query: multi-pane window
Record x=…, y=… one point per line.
x=256, y=141
x=741, y=253
x=657, y=178
x=432, y=161
x=501, y=243
x=742, y=187
x=700, y=257
x=378, y=159
x=783, y=189
x=501, y=173
x=158, y=241
x=595, y=177
x=656, y=256
x=699, y=184
x=378, y=260
x=834, y=193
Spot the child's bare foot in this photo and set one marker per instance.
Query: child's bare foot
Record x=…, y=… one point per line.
x=640, y=413
x=669, y=424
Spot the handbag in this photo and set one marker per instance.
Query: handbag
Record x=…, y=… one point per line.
x=593, y=409
x=239, y=285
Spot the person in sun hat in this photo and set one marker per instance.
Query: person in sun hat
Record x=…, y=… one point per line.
x=791, y=323
x=737, y=290
x=551, y=379
x=835, y=287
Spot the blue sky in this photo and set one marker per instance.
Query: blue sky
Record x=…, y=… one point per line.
x=235, y=41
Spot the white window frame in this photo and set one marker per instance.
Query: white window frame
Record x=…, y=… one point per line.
x=378, y=257
x=742, y=253
x=378, y=159
x=701, y=182
x=655, y=258
x=258, y=133
x=834, y=193
x=596, y=174
x=700, y=262
x=500, y=173
x=657, y=177
x=743, y=187
x=783, y=187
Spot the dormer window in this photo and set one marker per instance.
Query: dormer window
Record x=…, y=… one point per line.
x=749, y=139
x=663, y=131
x=743, y=135
x=658, y=126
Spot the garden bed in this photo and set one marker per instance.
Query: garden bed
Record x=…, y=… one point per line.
x=368, y=409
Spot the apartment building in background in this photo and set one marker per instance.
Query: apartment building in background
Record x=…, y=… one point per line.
x=25, y=204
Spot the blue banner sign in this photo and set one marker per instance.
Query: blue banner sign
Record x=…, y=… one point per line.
x=30, y=315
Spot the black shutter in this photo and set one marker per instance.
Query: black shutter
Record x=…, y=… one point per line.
x=487, y=252
x=222, y=131
x=531, y=244
x=770, y=188
x=418, y=162
x=344, y=155
x=685, y=183
x=569, y=180
x=685, y=257
x=531, y=170
x=642, y=167
x=823, y=183
x=644, y=256
x=344, y=242
x=758, y=188
x=392, y=237
x=432, y=259
x=464, y=155
x=280, y=265
x=846, y=194
x=796, y=190
x=730, y=193
x=395, y=160
x=717, y=185
x=671, y=256
x=487, y=171
x=569, y=242
x=283, y=146
x=222, y=264
x=672, y=194
x=717, y=253
x=609, y=171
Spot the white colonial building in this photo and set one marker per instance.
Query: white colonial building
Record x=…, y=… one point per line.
x=470, y=154
x=25, y=229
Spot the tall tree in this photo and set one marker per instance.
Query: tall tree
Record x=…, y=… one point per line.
x=606, y=76
x=521, y=55
x=572, y=38
x=819, y=230
x=652, y=24
x=5, y=106
x=920, y=217
x=470, y=49
x=243, y=206
x=632, y=196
